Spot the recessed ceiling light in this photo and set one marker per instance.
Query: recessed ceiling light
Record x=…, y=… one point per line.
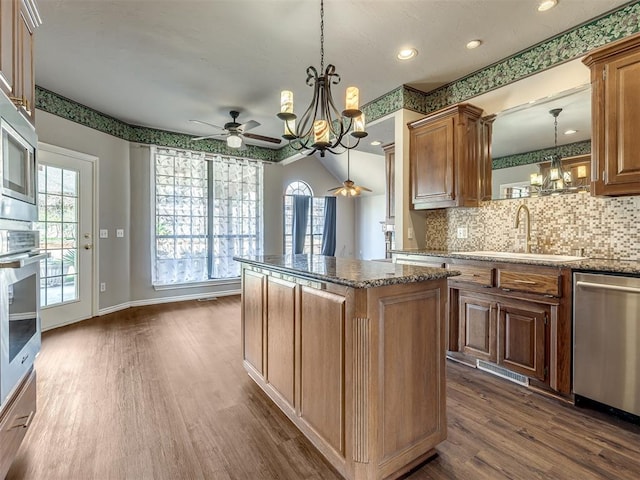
x=474, y=44
x=547, y=5
x=570, y=131
x=407, y=53
x=375, y=143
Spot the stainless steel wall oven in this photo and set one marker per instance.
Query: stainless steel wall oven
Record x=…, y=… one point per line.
x=19, y=306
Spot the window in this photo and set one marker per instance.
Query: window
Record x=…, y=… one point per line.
x=315, y=226
x=207, y=209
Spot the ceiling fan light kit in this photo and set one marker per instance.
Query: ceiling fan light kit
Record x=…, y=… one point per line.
x=322, y=126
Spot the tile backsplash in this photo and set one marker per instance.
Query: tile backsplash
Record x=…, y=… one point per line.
x=604, y=227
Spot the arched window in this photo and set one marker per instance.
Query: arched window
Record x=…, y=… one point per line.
x=315, y=225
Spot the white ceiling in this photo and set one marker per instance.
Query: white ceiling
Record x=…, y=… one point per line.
x=160, y=63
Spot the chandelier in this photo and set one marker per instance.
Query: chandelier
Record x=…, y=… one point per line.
x=322, y=127
x=558, y=179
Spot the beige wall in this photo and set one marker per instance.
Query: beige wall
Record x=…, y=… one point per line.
x=114, y=197
x=310, y=170
x=124, y=202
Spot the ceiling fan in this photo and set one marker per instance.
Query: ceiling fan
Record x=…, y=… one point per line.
x=348, y=187
x=234, y=131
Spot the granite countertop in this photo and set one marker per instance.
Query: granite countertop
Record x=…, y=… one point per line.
x=588, y=264
x=346, y=271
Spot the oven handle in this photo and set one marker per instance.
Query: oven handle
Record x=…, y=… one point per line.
x=24, y=261
x=605, y=286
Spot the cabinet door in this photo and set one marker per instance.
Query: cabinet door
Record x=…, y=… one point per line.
x=25, y=87
x=522, y=338
x=280, y=337
x=432, y=160
x=252, y=319
x=622, y=117
x=477, y=327
x=8, y=26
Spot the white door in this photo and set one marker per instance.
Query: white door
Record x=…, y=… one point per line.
x=66, y=225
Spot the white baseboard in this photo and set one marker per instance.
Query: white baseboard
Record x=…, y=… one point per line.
x=156, y=301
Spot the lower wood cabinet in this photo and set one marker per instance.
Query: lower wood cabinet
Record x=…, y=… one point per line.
x=514, y=315
x=478, y=327
x=522, y=338
x=15, y=420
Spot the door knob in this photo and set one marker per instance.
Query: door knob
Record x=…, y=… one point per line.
x=88, y=246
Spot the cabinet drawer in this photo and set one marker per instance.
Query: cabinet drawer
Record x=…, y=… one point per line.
x=472, y=274
x=15, y=422
x=543, y=283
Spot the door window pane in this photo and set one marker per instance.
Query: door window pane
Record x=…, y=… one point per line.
x=58, y=226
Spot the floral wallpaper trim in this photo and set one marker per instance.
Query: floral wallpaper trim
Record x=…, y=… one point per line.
x=570, y=150
x=562, y=48
x=60, y=106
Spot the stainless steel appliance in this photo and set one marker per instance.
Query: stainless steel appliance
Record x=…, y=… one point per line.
x=19, y=306
x=606, y=362
x=18, y=142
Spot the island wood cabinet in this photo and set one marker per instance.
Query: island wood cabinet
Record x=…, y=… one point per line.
x=18, y=21
x=615, y=105
x=450, y=158
x=360, y=371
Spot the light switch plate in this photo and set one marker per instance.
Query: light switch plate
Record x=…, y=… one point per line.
x=410, y=233
x=104, y=233
x=463, y=232
x=120, y=232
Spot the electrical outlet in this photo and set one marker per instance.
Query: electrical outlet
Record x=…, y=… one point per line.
x=120, y=232
x=463, y=232
x=410, y=233
x=103, y=287
x=104, y=233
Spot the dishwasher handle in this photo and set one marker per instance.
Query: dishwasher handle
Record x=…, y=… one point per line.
x=606, y=286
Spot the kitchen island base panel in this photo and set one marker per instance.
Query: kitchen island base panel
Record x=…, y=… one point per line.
x=368, y=371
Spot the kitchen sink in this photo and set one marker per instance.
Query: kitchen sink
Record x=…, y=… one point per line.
x=523, y=256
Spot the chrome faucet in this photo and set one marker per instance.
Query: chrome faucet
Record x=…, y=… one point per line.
x=527, y=225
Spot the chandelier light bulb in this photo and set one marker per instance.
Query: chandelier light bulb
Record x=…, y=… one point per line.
x=286, y=101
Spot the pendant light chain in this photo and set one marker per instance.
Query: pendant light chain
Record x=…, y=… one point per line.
x=321, y=35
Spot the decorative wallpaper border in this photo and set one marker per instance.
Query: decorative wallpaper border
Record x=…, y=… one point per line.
x=537, y=156
x=557, y=50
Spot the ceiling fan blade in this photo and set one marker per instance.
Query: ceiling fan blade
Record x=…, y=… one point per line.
x=248, y=125
x=255, y=136
x=207, y=123
x=364, y=188
x=339, y=191
x=336, y=188
x=215, y=135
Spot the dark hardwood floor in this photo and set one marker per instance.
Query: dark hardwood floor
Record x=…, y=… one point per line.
x=160, y=393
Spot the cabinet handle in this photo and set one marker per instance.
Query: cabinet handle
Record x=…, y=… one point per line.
x=526, y=282
x=26, y=423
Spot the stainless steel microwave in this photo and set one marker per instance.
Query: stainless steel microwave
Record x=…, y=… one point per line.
x=18, y=175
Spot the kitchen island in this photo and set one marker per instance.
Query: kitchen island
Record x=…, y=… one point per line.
x=353, y=352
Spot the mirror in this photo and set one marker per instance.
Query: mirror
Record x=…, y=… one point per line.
x=523, y=141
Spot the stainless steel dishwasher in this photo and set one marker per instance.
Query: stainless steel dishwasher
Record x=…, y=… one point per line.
x=606, y=346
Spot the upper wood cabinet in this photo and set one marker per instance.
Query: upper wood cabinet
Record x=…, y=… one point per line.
x=615, y=82
x=450, y=158
x=18, y=21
